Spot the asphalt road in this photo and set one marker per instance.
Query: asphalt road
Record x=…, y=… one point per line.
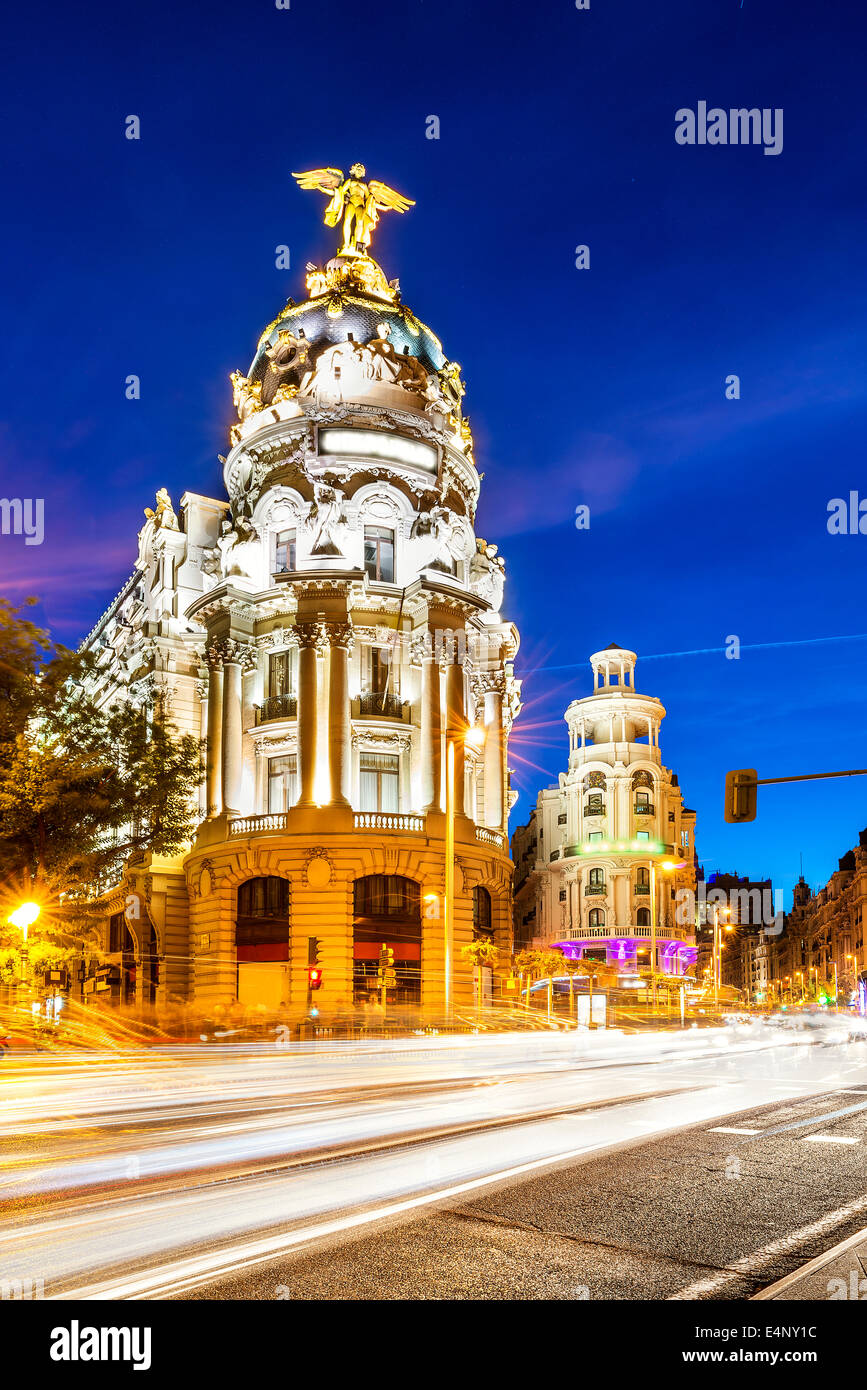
x=484, y=1169
x=696, y=1215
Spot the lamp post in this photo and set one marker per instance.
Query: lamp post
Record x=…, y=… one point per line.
x=717, y=950
x=854, y=960
x=23, y=918
x=475, y=737
x=668, y=867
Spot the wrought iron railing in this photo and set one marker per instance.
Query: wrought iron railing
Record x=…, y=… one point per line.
x=644, y=808
x=594, y=809
x=376, y=702
x=277, y=707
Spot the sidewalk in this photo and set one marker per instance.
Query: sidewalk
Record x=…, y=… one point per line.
x=841, y=1273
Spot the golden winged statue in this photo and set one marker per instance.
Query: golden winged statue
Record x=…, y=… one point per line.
x=357, y=202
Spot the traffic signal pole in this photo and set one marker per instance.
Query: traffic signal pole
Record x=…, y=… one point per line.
x=741, y=792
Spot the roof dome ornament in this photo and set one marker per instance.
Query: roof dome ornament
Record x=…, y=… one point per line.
x=357, y=202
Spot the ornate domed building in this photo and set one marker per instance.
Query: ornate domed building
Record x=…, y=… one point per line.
x=334, y=631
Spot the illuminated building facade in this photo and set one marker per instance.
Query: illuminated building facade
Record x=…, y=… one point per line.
x=333, y=629
x=605, y=852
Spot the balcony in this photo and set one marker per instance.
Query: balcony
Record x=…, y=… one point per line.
x=644, y=808
x=378, y=704
x=592, y=809
x=276, y=707
x=255, y=825
x=490, y=837
x=641, y=889
x=388, y=820
x=598, y=890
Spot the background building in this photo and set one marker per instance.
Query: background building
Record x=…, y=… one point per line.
x=599, y=863
x=332, y=627
x=822, y=947
x=746, y=906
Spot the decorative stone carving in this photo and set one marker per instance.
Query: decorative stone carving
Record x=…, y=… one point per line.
x=488, y=574
x=340, y=635
x=326, y=512
x=164, y=518
x=229, y=652
x=318, y=867
x=310, y=635
x=239, y=548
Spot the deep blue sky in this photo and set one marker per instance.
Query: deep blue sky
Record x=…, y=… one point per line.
x=602, y=386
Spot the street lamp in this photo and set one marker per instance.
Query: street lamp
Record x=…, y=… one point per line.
x=24, y=916
x=474, y=738
x=669, y=867
x=717, y=949
x=854, y=960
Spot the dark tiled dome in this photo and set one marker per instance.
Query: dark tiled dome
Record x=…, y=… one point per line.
x=359, y=318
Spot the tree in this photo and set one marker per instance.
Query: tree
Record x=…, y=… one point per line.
x=81, y=787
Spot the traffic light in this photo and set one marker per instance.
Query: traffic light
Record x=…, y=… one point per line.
x=314, y=969
x=742, y=794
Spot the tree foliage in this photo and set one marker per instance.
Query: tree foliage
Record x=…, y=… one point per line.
x=82, y=786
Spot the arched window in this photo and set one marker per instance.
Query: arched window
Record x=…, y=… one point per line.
x=642, y=880
x=482, y=919
x=387, y=913
x=642, y=779
x=594, y=779
x=262, y=926
x=263, y=898
x=387, y=895
x=596, y=883
x=643, y=917
x=597, y=917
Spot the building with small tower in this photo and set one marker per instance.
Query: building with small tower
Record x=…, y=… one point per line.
x=600, y=862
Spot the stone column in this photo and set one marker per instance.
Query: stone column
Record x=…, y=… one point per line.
x=339, y=727
x=309, y=638
x=493, y=686
x=215, y=732
x=431, y=731
x=233, y=663
x=456, y=725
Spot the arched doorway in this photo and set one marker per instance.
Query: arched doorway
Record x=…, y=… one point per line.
x=387, y=912
x=262, y=941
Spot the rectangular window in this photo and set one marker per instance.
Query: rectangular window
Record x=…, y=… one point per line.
x=642, y=835
x=281, y=672
x=595, y=835
x=379, y=554
x=380, y=781
x=284, y=552
x=377, y=679
x=282, y=782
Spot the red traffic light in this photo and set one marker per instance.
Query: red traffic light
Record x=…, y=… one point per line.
x=314, y=976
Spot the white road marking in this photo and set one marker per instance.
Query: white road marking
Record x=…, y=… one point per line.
x=751, y=1265
x=828, y=1139
x=726, y=1129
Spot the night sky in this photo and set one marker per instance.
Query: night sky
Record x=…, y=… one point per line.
x=602, y=386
